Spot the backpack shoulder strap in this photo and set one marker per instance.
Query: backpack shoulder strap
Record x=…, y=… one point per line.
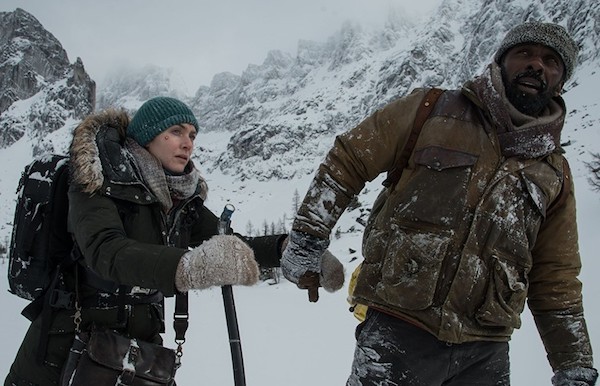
x=425, y=108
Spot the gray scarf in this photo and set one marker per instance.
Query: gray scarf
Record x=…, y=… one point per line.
x=518, y=134
x=166, y=187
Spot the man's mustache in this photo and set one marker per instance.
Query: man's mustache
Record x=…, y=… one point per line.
x=533, y=74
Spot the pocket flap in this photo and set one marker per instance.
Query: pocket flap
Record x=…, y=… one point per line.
x=439, y=158
x=147, y=360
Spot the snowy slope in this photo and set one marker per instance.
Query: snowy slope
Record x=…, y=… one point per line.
x=285, y=339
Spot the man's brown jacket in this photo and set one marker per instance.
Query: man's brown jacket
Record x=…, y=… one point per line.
x=467, y=236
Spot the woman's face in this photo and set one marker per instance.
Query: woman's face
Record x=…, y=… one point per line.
x=173, y=147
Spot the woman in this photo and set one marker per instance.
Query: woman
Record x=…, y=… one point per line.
x=136, y=204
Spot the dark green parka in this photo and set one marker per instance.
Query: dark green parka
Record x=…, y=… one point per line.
x=128, y=244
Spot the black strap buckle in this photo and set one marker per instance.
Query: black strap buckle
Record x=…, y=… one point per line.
x=61, y=299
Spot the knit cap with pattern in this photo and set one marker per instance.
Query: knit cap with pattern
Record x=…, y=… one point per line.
x=547, y=34
x=156, y=115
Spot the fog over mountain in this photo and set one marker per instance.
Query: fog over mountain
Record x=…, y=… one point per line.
x=287, y=108
x=263, y=133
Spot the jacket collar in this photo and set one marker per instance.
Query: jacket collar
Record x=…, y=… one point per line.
x=518, y=134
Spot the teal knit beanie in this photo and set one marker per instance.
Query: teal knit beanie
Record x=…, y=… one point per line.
x=156, y=115
x=547, y=34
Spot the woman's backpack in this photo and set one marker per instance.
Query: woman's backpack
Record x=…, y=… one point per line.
x=40, y=242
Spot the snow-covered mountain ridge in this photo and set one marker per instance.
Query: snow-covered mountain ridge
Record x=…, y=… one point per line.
x=265, y=131
x=276, y=120
x=289, y=108
x=40, y=91
x=286, y=111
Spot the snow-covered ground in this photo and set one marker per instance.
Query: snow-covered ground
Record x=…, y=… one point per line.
x=285, y=339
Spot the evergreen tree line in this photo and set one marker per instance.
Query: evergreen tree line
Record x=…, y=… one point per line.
x=284, y=223
x=280, y=226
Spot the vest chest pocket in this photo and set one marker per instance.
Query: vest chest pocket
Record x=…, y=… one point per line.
x=436, y=191
x=439, y=158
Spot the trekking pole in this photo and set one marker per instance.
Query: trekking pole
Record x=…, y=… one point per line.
x=230, y=315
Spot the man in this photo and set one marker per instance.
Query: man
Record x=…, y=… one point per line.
x=481, y=221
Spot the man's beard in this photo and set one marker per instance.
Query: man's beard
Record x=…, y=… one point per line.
x=528, y=104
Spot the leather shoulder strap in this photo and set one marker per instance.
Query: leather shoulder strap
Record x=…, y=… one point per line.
x=425, y=108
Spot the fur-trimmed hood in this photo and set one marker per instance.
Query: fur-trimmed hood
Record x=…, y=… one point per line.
x=99, y=153
x=86, y=165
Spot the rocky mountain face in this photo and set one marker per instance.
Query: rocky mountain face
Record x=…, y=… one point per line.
x=290, y=107
x=280, y=117
x=277, y=120
x=39, y=89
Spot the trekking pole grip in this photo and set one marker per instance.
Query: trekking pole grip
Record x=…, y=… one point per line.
x=235, y=344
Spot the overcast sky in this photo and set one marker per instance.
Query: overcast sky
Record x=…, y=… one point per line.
x=198, y=38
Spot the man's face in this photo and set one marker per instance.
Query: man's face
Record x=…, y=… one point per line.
x=532, y=75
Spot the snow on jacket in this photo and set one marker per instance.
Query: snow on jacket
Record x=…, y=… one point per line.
x=127, y=240
x=465, y=237
x=117, y=221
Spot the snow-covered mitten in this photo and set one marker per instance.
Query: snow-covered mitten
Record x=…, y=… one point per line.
x=332, y=272
x=302, y=255
x=575, y=376
x=221, y=260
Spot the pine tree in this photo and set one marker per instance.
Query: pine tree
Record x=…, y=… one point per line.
x=249, y=229
x=284, y=223
x=296, y=202
x=594, y=167
x=4, y=249
x=281, y=227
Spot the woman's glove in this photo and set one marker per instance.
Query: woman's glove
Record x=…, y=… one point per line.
x=221, y=260
x=575, y=376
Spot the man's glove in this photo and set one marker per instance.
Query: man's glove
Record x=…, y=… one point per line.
x=331, y=277
x=307, y=263
x=221, y=260
x=575, y=376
